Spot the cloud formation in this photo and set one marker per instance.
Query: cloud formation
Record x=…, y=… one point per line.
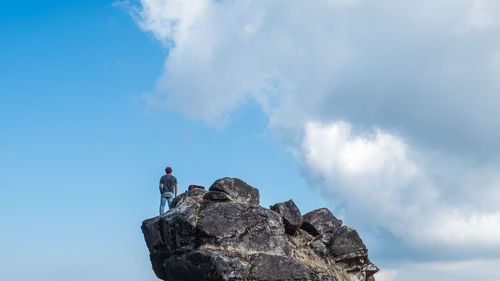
x=478, y=269
x=391, y=105
x=387, y=185
x=386, y=275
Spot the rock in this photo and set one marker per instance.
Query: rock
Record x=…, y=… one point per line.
x=168, y=234
x=223, y=234
x=322, y=277
x=244, y=227
x=370, y=269
x=217, y=196
x=347, y=250
x=153, y=234
x=269, y=267
x=238, y=190
x=202, y=265
x=191, y=197
x=290, y=214
x=343, y=243
x=346, y=245
x=320, y=221
x=205, y=265
x=180, y=233
x=320, y=243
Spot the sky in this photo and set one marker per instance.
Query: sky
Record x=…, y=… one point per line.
x=383, y=111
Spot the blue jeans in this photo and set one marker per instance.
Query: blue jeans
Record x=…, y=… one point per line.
x=166, y=196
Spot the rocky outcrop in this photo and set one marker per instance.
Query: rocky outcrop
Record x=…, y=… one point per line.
x=224, y=234
x=320, y=221
x=290, y=214
x=190, y=197
x=233, y=190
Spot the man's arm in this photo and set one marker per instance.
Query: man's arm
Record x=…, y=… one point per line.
x=161, y=190
x=175, y=189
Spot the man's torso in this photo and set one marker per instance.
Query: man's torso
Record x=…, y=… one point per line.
x=168, y=182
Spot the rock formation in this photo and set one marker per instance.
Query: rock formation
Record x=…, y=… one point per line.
x=224, y=234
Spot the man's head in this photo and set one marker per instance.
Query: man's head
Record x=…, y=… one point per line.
x=168, y=170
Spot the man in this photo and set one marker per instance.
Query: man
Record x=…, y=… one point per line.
x=167, y=185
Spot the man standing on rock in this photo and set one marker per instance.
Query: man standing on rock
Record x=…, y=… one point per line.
x=167, y=184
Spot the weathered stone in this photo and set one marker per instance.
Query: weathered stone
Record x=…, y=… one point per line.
x=300, y=238
x=325, y=277
x=319, y=245
x=205, y=265
x=238, y=190
x=370, y=269
x=269, y=267
x=153, y=234
x=179, y=229
x=191, y=197
x=353, y=266
x=346, y=244
x=212, y=236
x=244, y=227
x=290, y=214
x=171, y=233
x=217, y=196
x=357, y=275
x=320, y=221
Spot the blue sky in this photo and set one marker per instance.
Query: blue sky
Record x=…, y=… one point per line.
x=384, y=112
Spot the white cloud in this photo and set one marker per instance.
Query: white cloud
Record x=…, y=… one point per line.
x=333, y=147
x=170, y=20
x=386, y=275
x=386, y=63
x=466, y=270
x=459, y=228
x=378, y=172
x=481, y=15
x=415, y=83
x=491, y=267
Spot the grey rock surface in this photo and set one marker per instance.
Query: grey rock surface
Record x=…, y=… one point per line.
x=224, y=234
x=193, y=196
x=242, y=226
x=206, y=265
x=269, y=267
x=153, y=234
x=290, y=214
x=238, y=190
x=347, y=245
x=217, y=196
x=320, y=221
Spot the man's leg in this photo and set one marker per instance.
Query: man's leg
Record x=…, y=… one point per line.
x=162, y=205
x=170, y=200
